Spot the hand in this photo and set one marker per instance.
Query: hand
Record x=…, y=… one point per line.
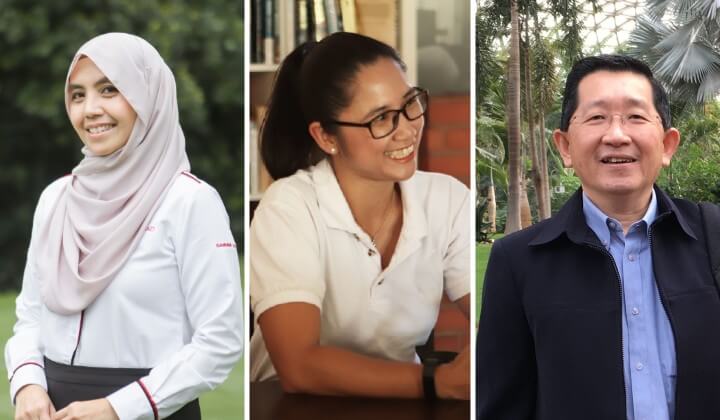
x=452, y=380
x=33, y=403
x=99, y=409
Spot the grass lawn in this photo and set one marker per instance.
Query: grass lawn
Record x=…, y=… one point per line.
x=482, y=253
x=223, y=403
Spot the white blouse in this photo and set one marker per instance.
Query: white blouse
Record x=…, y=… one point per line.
x=305, y=246
x=175, y=307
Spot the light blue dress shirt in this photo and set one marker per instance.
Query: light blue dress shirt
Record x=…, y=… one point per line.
x=648, y=345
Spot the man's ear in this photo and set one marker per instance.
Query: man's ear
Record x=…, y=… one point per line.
x=325, y=141
x=671, y=141
x=562, y=143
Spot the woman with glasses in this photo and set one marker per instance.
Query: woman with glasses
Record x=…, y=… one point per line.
x=351, y=248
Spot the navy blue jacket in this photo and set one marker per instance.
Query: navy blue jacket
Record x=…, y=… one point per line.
x=550, y=334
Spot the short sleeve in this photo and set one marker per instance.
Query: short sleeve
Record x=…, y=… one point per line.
x=456, y=263
x=285, y=255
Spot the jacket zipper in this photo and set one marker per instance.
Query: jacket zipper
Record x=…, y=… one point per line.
x=620, y=295
x=663, y=301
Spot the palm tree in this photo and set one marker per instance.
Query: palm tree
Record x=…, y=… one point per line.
x=680, y=39
x=513, y=222
x=491, y=145
x=490, y=166
x=494, y=18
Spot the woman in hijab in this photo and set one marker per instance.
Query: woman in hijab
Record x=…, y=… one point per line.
x=130, y=305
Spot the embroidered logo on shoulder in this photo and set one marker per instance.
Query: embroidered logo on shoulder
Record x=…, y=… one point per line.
x=225, y=245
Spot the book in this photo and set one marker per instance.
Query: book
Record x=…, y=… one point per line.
x=256, y=31
x=332, y=16
x=285, y=32
x=318, y=19
x=301, y=22
x=348, y=16
x=269, y=31
x=378, y=19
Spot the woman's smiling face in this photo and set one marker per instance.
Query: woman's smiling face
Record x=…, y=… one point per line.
x=377, y=88
x=101, y=116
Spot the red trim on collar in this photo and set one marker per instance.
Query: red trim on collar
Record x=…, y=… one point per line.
x=191, y=176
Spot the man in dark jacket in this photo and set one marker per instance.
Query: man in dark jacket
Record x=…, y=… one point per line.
x=608, y=310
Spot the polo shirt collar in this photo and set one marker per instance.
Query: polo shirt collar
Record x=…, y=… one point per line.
x=331, y=200
x=336, y=210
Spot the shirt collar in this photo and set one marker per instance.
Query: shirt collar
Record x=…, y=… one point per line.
x=601, y=224
x=337, y=213
x=570, y=221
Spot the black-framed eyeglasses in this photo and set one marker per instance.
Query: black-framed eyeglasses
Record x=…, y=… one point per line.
x=384, y=124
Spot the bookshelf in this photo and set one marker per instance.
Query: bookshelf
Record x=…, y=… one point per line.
x=277, y=26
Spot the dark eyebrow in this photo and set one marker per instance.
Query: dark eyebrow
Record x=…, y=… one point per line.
x=384, y=107
x=100, y=82
x=626, y=101
x=637, y=102
x=374, y=111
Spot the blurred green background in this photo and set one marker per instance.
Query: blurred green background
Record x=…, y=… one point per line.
x=202, y=42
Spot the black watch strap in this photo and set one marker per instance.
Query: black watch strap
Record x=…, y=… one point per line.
x=428, y=375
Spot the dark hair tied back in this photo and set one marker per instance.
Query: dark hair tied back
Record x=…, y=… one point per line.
x=307, y=47
x=313, y=84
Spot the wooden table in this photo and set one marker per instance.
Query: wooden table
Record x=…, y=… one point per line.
x=269, y=402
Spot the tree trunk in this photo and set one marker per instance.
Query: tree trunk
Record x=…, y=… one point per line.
x=538, y=175
x=525, y=212
x=544, y=172
x=492, y=206
x=513, y=123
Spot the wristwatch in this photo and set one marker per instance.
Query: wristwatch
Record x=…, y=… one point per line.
x=428, y=375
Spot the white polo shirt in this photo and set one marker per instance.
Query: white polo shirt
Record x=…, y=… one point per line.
x=175, y=307
x=305, y=246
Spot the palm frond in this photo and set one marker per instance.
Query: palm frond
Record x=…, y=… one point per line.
x=707, y=8
x=657, y=8
x=710, y=87
x=688, y=62
x=647, y=35
x=677, y=36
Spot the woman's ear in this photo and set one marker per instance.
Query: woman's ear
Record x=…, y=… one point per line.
x=325, y=141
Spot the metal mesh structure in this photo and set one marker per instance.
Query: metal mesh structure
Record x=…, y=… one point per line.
x=610, y=23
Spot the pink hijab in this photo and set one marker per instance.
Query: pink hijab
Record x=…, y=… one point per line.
x=102, y=213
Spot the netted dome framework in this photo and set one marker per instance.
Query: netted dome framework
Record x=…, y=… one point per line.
x=609, y=23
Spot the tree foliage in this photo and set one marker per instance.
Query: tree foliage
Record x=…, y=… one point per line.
x=202, y=42
x=536, y=51
x=680, y=39
x=694, y=172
